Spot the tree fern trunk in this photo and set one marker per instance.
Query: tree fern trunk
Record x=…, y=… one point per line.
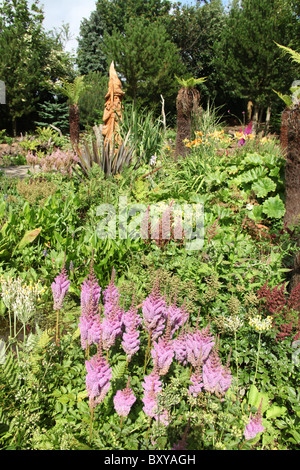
x=74, y=119
x=184, y=106
x=292, y=182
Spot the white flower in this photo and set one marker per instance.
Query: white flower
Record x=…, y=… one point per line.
x=249, y=207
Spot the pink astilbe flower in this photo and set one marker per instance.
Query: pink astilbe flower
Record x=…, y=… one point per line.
x=154, y=312
x=180, y=348
x=98, y=378
x=95, y=330
x=152, y=386
x=196, y=378
x=111, y=293
x=111, y=327
x=216, y=378
x=90, y=296
x=255, y=425
x=123, y=401
x=177, y=316
x=60, y=287
x=199, y=342
x=163, y=353
x=130, y=341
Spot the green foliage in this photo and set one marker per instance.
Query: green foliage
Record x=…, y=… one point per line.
x=147, y=59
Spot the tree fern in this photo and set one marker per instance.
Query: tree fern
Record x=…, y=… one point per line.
x=295, y=56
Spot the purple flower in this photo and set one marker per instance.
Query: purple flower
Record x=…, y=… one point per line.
x=131, y=342
x=180, y=348
x=199, y=343
x=90, y=296
x=196, y=387
x=98, y=378
x=95, y=330
x=111, y=294
x=162, y=355
x=255, y=425
x=154, y=312
x=60, y=287
x=111, y=327
x=152, y=386
x=123, y=401
x=216, y=378
x=177, y=317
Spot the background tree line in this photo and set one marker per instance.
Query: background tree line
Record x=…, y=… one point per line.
x=150, y=42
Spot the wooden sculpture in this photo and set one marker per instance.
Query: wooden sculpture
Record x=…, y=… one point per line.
x=113, y=100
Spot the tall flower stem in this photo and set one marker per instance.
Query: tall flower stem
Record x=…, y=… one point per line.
x=147, y=351
x=236, y=356
x=91, y=424
x=57, y=328
x=257, y=358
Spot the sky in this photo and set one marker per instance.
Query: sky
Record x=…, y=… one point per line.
x=57, y=12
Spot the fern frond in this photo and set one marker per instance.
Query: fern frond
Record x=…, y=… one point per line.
x=295, y=56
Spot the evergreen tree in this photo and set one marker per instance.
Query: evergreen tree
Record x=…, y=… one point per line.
x=30, y=60
x=111, y=15
x=55, y=112
x=146, y=60
x=248, y=62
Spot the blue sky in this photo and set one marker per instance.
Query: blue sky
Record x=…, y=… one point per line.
x=57, y=12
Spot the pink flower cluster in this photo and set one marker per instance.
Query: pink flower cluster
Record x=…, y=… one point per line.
x=58, y=160
x=105, y=323
x=60, y=287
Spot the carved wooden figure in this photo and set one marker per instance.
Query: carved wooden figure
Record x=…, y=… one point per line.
x=113, y=107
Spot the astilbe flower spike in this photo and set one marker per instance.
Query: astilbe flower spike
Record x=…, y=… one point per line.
x=255, y=425
x=90, y=296
x=98, y=378
x=216, y=378
x=152, y=386
x=199, y=342
x=162, y=352
x=177, y=316
x=130, y=341
x=154, y=311
x=112, y=327
x=60, y=287
x=196, y=380
x=123, y=401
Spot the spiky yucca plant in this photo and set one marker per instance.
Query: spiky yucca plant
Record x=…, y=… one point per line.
x=110, y=158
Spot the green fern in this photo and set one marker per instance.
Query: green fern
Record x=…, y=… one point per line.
x=118, y=370
x=9, y=371
x=190, y=82
x=295, y=56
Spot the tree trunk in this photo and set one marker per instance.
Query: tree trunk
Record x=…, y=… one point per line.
x=284, y=130
x=14, y=126
x=185, y=104
x=74, y=119
x=255, y=118
x=292, y=168
x=268, y=118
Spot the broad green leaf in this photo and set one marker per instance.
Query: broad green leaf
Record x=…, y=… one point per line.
x=275, y=411
x=29, y=237
x=274, y=207
x=255, y=397
x=263, y=187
